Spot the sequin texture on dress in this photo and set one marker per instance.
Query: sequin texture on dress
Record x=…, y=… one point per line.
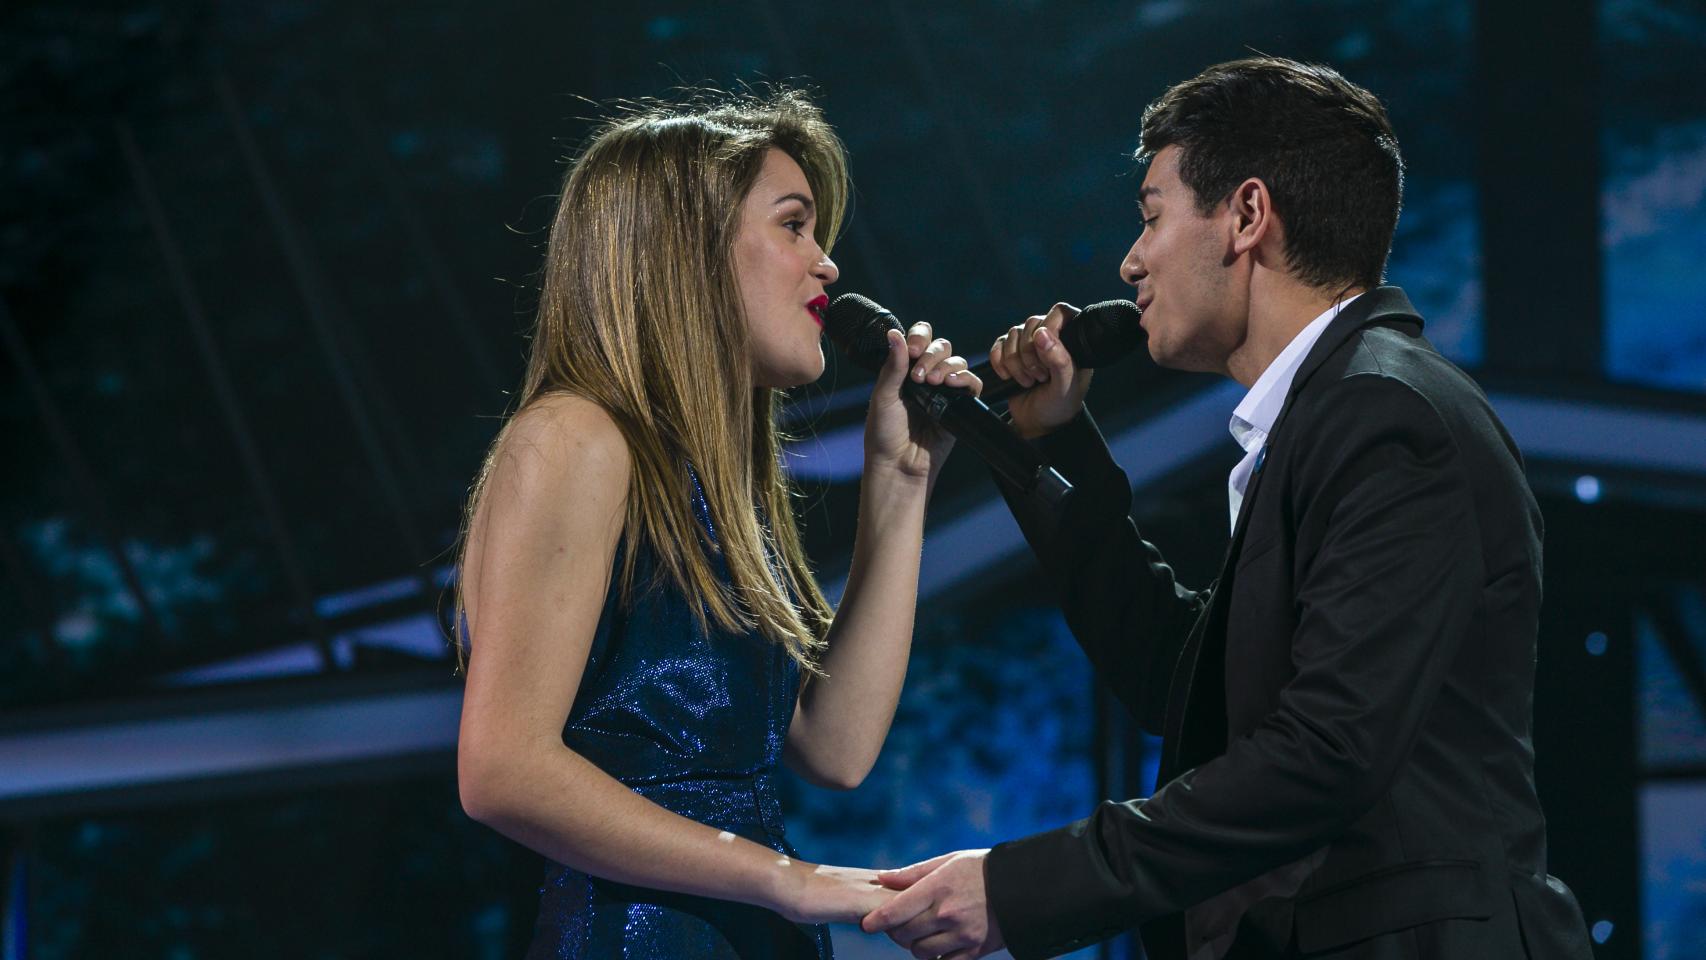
x=694, y=720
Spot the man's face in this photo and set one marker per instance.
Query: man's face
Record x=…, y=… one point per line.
x=1194, y=311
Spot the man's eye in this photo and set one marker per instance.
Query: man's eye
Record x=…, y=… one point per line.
x=1149, y=220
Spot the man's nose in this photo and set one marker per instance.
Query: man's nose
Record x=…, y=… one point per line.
x=1131, y=268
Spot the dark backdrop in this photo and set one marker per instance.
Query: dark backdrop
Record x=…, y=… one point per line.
x=265, y=270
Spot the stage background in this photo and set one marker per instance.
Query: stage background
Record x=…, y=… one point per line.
x=265, y=270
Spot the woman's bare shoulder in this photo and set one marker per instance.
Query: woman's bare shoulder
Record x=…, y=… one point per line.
x=560, y=469
x=562, y=439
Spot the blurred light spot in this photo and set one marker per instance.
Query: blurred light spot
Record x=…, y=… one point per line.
x=492, y=922
x=406, y=143
x=481, y=159
x=664, y=28
x=78, y=629
x=1587, y=488
x=1597, y=642
x=1602, y=931
x=1353, y=46
x=1161, y=12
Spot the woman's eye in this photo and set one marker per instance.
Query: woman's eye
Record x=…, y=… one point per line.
x=794, y=226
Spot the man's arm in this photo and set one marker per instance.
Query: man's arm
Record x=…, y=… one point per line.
x=1124, y=606
x=1121, y=599
x=1385, y=605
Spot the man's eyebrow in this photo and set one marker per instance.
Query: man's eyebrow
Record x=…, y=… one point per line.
x=1147, y=192
x=804, y=200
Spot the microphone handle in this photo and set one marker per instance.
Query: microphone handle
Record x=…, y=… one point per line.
x=995, y=387
x=970, y=419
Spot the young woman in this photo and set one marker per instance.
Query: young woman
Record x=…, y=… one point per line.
x=645, y=638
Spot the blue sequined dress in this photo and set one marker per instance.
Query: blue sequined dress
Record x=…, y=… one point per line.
x=693, y=720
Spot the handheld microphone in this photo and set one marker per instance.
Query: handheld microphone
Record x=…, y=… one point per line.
x=860, y=327
x=1100, y=334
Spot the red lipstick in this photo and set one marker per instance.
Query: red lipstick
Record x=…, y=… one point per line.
x=816, y=308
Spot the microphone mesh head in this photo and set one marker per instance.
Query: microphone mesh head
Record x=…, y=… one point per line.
x=859, y=326
x=1103, y=333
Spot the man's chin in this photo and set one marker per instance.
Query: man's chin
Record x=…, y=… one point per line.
x=1188, y=356
x=1162, y=356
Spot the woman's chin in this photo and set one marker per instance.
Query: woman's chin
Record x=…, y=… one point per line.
x=808, y=370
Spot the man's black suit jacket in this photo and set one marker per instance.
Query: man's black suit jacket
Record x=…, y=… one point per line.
x=1348, y=704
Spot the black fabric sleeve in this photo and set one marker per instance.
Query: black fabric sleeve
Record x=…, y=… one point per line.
x=1121, y=599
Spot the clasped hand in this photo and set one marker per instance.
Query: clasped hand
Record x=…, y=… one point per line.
x=941, y=910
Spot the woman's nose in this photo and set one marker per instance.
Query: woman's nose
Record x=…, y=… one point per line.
x=826, y=270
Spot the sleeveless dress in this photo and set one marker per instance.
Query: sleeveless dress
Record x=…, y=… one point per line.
x=693, y=720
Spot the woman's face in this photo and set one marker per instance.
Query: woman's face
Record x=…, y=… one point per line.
x=782, y=273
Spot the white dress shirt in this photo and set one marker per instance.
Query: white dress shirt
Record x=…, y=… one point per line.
x=1254, y=417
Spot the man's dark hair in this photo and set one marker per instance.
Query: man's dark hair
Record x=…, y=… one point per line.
x=1321, y=144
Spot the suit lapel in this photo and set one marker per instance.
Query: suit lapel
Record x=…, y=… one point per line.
x=1382, y=304
x=1208, y=629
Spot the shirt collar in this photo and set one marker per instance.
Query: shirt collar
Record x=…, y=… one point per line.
x=1254, y=417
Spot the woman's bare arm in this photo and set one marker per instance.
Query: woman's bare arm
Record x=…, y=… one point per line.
x=842, y=719
x=537, y=569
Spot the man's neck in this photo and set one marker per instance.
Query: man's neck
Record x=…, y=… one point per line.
x=1276, y=319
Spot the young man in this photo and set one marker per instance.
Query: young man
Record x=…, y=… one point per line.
x=1347, y=768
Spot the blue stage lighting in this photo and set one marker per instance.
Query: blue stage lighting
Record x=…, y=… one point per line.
x=1587, y=488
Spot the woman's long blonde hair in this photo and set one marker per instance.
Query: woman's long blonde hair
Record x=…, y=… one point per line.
x=640, y=313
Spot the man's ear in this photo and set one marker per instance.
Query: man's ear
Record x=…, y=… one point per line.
x=1252, y=209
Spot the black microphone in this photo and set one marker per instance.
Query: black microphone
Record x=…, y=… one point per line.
x=861, y=328
x=1100, y=334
